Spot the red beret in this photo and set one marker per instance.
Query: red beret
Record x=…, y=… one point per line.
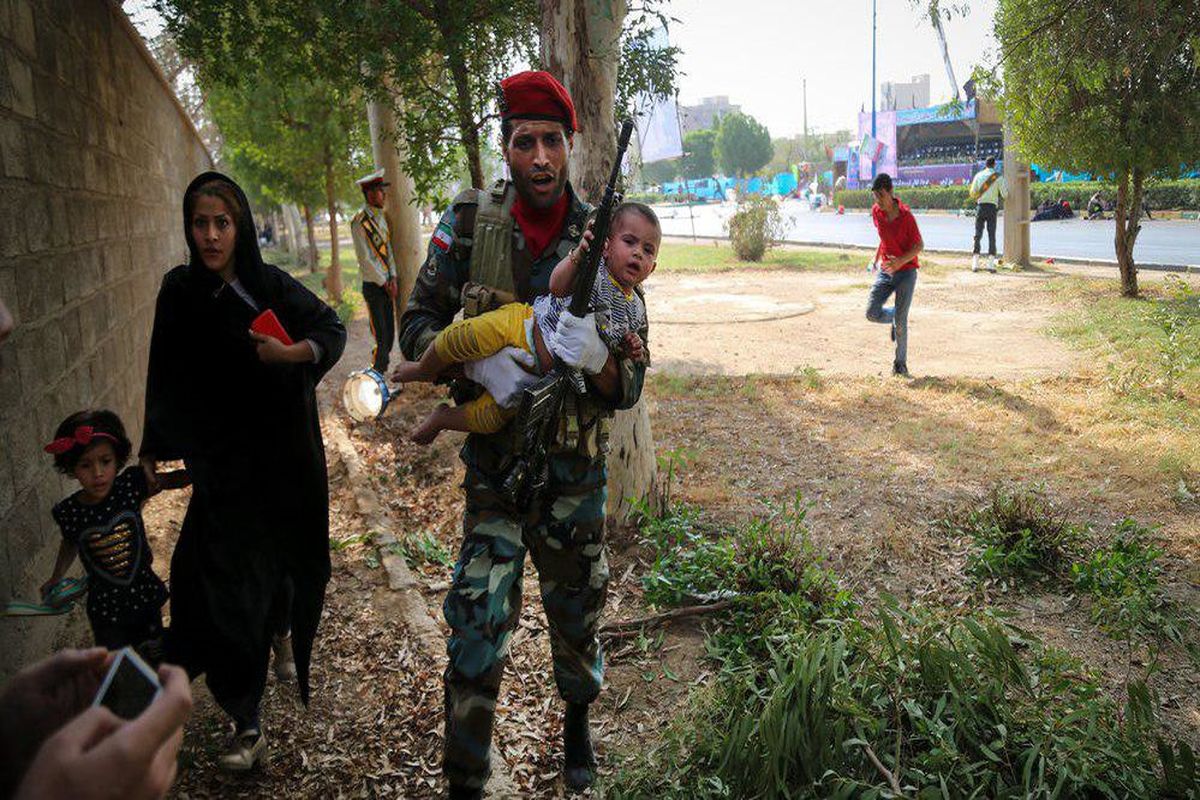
x=536, y=95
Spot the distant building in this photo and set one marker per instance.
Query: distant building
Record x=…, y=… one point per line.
x=695, y=118
x=898, y=96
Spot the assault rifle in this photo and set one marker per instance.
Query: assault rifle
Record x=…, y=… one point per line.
x=541, y=404
x=585, y=276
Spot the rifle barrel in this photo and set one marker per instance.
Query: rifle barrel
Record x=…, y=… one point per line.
x=582, y=290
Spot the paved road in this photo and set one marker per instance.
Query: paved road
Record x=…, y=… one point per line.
x=1174, y=242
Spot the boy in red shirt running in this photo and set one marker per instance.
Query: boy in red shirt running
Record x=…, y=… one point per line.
x=899, y=243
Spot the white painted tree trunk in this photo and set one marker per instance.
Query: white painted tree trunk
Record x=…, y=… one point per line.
x=404, y=227
x=581, y=46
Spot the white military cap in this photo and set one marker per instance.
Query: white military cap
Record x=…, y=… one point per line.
x=374, y=177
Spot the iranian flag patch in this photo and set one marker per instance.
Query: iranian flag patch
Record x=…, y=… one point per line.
x=442, y=237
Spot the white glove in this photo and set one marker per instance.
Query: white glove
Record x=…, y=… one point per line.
x=579, y=343
x=504, y=374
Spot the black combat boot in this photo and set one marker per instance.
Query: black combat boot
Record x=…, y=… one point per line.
x=465, y=793
x=900, y=369
x=579, y=763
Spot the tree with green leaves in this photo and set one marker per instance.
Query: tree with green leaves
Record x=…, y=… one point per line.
x=1110, y=87
x=660, y=172
x=435, y=62
x=743, y=145
x=698, y=160
x=297, y=141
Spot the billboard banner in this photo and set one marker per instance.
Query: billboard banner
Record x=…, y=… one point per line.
x=943, y=113
x=935, y=175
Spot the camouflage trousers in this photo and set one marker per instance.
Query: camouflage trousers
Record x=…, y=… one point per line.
x=564, y=536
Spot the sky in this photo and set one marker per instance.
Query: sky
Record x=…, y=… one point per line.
x=758, y=51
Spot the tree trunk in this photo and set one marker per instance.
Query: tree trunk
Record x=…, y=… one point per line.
x=580, y=45
x=333, y=278
x=1016, y=204
x=1128, y=213
x=404, y=225
x=457, y=64
x=310, y=229
x=293, y=233
x=632, y=468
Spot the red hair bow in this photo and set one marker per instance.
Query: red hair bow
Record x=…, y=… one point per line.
x=82, y=437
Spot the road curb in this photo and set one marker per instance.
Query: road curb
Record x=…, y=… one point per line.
x=414, y=612
x=1096, y=262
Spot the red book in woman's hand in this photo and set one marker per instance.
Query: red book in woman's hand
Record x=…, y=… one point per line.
x=268, y=324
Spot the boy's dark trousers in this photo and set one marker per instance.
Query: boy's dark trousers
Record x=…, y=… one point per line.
x=381, y=312
x=985, y=213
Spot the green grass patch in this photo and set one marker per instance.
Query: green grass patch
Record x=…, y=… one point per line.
x=666, y=383
x=719, y=257
x=1150, y=345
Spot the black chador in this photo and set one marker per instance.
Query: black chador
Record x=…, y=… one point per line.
x=255, y=541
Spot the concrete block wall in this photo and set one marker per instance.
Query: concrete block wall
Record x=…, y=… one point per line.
x=95, y=153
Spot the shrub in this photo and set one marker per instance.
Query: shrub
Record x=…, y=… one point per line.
x=688, y=564
x=755, y=226
x=768, y=568
x=1122, y=580
x=1018, y=534
x=650, y=198
x=919, y=703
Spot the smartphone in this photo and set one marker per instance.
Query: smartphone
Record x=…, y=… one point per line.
x=129, y=687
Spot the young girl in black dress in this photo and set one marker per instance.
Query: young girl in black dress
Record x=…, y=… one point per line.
x=102, y=524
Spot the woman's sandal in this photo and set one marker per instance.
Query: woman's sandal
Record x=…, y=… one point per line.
x=248, y=748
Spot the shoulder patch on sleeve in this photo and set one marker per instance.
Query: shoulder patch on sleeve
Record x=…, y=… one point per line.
x=443, y=237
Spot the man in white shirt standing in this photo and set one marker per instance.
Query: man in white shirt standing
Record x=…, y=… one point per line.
x=377, y=266
x=988, y=190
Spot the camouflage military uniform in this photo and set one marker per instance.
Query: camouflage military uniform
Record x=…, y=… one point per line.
x=564, y=533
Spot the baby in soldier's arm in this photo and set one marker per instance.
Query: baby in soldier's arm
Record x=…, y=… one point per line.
x=630, y=255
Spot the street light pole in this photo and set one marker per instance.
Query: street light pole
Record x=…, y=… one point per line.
x=804, y=83
x=873, y=16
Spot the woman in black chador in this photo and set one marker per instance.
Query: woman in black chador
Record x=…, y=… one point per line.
x=240, y=408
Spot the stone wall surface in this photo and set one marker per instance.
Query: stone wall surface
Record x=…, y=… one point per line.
x=95, y=153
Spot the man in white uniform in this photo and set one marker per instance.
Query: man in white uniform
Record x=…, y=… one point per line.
x=377, y=266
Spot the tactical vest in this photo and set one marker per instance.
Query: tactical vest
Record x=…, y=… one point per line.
x=584, y=425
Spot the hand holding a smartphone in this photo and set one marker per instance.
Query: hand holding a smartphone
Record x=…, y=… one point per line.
x=39, y=700
x=97, y=753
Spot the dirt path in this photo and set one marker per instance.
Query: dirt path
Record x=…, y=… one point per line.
x=962, y=324
x=880, y=461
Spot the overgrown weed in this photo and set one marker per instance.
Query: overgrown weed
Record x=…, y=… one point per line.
x=1018, y=535
x=1122, y=581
